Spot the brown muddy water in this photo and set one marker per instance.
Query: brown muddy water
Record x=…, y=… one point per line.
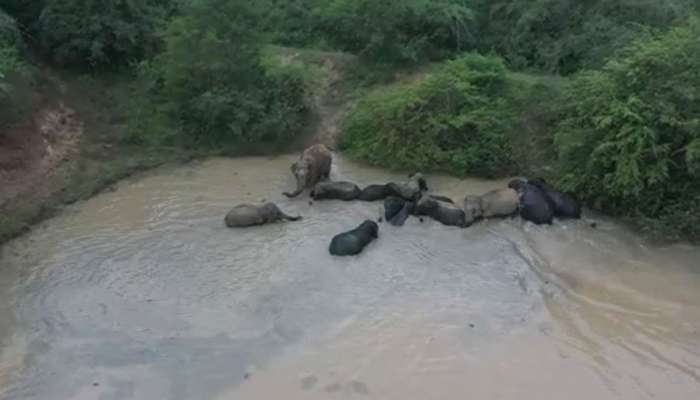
x=142, y=293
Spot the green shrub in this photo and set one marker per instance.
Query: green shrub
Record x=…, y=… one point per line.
x=630, y=136
x=563, y=36
x=25, y=12
x=99, y=32
x=13, y=72
x=210, y=85
x=397, y=31
x=457, y=120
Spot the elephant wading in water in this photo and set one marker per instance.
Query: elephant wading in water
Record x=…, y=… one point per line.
x=246, y=215
x=499, y=203
x=353, y=242
x=534, y=204
x=443, y=212
x=335, y=191
x=313, y=166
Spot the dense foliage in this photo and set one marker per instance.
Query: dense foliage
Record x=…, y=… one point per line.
x=562, y=36
x=99, y=32
x=211, y=84
x=12, y=68
x=456, y=120
x=630, y=135
x=397, y=31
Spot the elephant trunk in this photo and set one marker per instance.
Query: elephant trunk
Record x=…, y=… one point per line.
x=300, y=188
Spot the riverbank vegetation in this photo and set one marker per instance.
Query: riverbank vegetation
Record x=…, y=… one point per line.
x=597, y=96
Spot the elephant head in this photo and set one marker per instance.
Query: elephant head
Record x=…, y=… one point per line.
x=300, y=170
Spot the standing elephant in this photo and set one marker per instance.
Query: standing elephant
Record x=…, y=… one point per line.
x=246, y=215
x=353, y=242
x=534, y=204
x=499, y=203
x=563, y=204
x=313, y=166
x=445, y=213
x=335, y=191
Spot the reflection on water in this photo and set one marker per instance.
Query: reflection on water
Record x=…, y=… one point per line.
x=144, y=294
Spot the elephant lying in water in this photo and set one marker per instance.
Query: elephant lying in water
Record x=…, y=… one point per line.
x=443, y=212
x=534, y=204
x=496, y=203
x=411, y=190
x=246, y=215
x=376, y=192
x=335, y=190
x=397, y=210
x=313, y=166
x=563, y=204
x=353, y=242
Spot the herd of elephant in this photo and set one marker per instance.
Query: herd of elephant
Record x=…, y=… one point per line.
x=534, y=200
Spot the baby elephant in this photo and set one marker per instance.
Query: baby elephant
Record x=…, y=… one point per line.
x=335, y=191
x=445, y=213
x=353, y=242
x=245, y=215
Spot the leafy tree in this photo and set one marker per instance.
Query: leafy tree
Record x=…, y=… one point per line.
x=210, y=85
x=12, y=69
x=100, y=32
x=630, y=135
x=563, y=36
x=397, y=31
x=456, y=120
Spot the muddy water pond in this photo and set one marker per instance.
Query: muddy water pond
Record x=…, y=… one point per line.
x=142, y=293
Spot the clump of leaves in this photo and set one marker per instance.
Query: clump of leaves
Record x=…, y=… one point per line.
x=210, y=85
x=630, y=136
x=456, y=119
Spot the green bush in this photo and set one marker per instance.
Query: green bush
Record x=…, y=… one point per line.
x=563, y=36
x=13, y=72
x=397, y=31
x=211, y=86
x=457, y=119
x=25, y=12
x=100, y=32
x=630, y=136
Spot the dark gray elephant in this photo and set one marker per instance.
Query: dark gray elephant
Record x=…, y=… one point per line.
x=313, y=166
x=534, y=204
x=472, y=209
x=353, y=242
x=335, y=191
x=376, y=192
x=499, y=203
x=246, y=215
x=445, y=213
x=563, y=204
x=397, y=210
x=412, y=189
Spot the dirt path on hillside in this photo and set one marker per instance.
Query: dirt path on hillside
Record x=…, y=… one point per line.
x=30, y=154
